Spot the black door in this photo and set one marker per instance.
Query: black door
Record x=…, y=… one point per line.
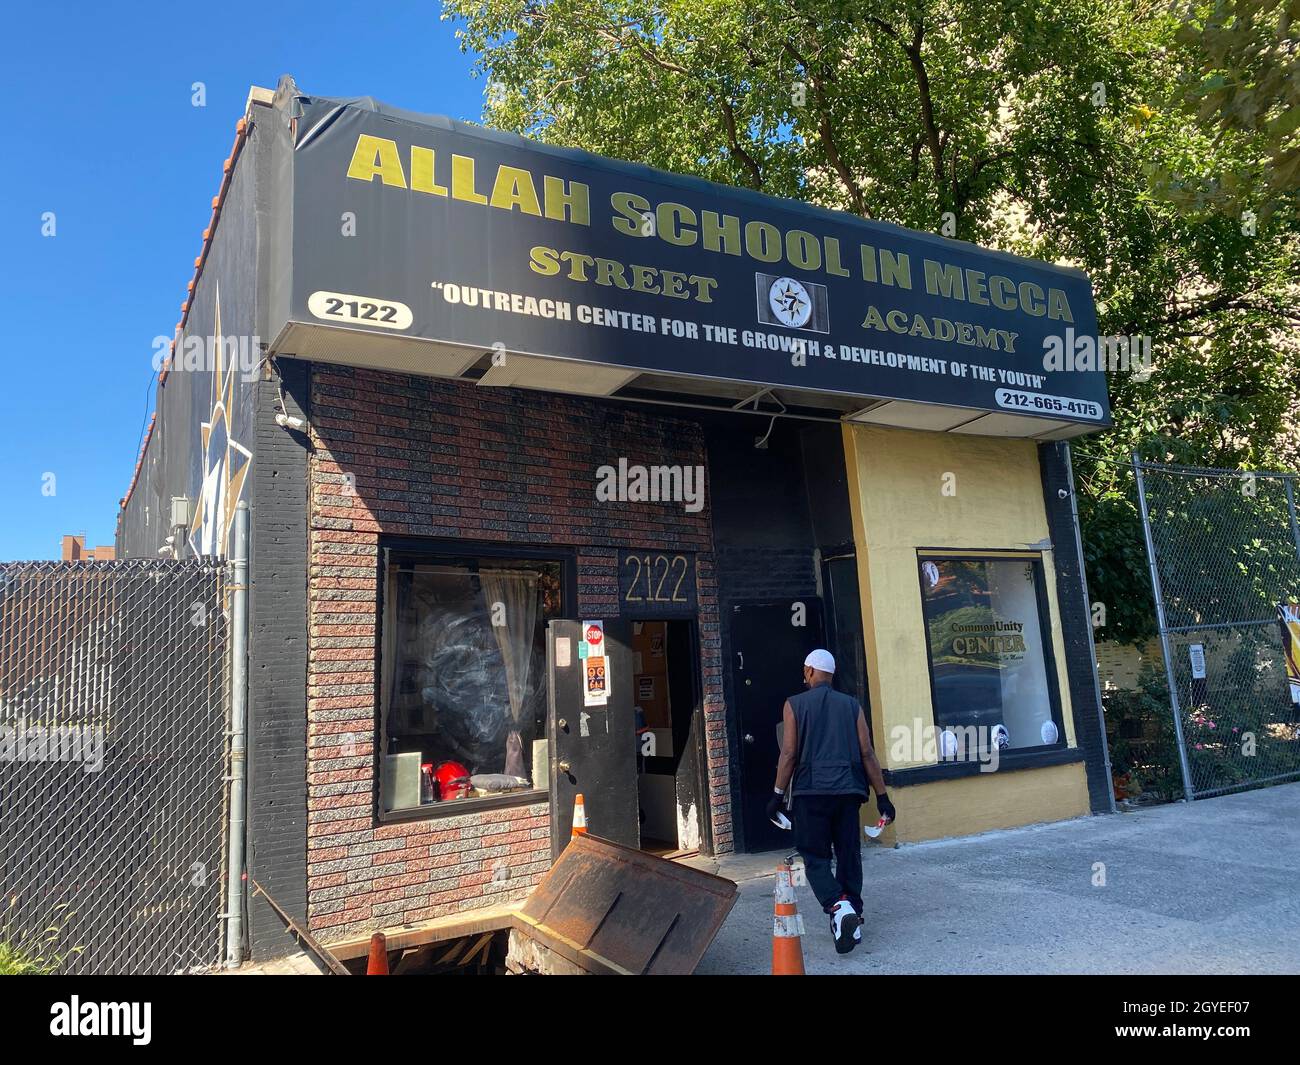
x=592, y=747
x=767, y=653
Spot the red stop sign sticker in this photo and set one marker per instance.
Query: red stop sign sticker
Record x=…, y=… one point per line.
x=594, y=635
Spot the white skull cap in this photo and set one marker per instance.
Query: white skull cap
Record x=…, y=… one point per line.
x=821, y=659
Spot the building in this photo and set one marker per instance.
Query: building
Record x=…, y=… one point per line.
x=73, y=549
x=558, y=466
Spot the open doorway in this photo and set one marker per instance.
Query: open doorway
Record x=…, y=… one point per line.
x=666, y=702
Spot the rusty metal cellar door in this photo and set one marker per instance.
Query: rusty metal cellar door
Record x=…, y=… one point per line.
x=592, y=744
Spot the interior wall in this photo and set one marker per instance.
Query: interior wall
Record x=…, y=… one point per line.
x=657, y=787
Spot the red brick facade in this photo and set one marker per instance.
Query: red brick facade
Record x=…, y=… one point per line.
x=455, y=461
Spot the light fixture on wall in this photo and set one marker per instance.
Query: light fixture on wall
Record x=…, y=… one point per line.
x=282, y=418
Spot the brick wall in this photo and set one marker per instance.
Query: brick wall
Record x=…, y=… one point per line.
x=451, y=460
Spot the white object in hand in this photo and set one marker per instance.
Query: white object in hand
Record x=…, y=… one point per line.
x=873, y=831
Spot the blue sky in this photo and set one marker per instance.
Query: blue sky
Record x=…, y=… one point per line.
x=101, y=131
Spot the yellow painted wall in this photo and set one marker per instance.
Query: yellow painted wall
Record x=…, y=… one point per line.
x=985, y=802
x=896, y=493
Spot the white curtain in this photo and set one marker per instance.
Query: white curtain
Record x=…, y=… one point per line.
x=512, y=607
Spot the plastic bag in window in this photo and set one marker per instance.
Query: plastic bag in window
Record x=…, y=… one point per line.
x=463, y=686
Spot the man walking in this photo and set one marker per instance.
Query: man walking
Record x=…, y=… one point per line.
x=827, y=751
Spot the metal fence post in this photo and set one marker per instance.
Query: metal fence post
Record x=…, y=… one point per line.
x=238, y=725
x=1164, y=631
x=1290, y=513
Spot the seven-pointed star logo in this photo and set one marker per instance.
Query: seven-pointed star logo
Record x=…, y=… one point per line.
x=225, y=461
x=790, y=302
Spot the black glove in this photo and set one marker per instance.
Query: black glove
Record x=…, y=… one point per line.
x=886, y=807
x=774, y=805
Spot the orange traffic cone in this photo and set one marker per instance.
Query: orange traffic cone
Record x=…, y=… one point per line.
x=787, y=927
x=377, y=963
x=579, y=817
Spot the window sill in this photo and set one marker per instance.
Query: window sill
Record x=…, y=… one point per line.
x=1007, y=762
x=439, y=810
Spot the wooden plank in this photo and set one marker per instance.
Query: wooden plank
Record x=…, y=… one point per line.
x=437, y=930
x=481, y=947
x=413, y=959
x=452, y=953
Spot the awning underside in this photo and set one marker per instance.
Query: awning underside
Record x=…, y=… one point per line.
x=488, y=369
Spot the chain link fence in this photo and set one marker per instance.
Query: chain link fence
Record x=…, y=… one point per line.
x=1224, y=551
x=113, y=748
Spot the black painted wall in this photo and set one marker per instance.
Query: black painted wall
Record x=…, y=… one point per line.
x=1076, y=622
x=764, y=535
x=277, y=680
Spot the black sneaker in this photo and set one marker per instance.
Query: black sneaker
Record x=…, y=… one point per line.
x=845, y=925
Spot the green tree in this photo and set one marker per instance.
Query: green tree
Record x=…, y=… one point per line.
x=1243, y=80
x=1067, y=130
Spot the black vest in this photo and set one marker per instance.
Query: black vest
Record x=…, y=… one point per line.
x=830, y=757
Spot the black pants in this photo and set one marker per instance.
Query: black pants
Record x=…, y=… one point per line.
x=826, y=824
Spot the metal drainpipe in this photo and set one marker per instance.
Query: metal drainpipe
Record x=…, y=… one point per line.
x=238, y=727
x=1092, y=644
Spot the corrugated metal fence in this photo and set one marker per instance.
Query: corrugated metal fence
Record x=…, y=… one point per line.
x=113, y=749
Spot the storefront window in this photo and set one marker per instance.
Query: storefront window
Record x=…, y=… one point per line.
x=465, y=678
x=989, y=666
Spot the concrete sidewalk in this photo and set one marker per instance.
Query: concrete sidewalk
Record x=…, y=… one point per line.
x=1210, y=887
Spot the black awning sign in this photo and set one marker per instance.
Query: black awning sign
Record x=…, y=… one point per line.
x=487, y=240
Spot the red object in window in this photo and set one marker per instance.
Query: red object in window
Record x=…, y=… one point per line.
x=453, y=781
